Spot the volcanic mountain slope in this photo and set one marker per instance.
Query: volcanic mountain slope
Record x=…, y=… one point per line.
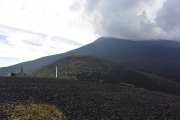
x=90, y=68
x=156, y=57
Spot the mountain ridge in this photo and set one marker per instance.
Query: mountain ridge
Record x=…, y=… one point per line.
x=147, y=56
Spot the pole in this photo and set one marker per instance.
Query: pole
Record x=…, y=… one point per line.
x=56, y=71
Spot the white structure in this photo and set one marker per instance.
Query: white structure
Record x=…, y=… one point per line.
x=56, y=71
x=9, y=74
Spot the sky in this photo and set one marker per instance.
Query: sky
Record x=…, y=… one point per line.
x=30, y=29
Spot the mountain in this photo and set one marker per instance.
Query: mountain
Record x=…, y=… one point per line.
x=160, y=57
x=90, y=68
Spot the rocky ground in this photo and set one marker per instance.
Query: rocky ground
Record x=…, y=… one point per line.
x=82, y=100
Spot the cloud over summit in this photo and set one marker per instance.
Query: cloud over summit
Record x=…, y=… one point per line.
x=137, y=20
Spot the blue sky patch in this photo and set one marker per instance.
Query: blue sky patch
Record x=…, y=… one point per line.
x=68, y=41
x=3, y=37
x=31, y=43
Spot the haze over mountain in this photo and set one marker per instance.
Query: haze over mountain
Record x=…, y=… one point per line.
x=159, y=57
x=90, y=68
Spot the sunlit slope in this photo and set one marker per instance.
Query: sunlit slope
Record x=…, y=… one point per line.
x=90, y=68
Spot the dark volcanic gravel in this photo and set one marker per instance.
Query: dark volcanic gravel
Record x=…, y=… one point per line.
x=81, y=100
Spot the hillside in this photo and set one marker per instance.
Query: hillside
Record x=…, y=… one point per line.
x=82, y=100
x=90, y=68
x=159, y=57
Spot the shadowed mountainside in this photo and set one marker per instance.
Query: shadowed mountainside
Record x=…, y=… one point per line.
x=159, y=57
x=90, y=68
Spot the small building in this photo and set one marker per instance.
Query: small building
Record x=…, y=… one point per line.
x=21, y=73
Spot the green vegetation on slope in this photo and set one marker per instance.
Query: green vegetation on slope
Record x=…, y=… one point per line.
x=32, y=112
x=77, y=67
x=90, y=68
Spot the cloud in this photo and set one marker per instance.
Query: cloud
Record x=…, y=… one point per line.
x=28, y=28
x=31, y=43
x=26, y=45
x=66, y=41
x=14, y=45
x=50, y=18
x=168, y=18
x=2, y=37
x=136, y=20
x=57, y=45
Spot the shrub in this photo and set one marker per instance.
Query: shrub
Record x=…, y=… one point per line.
x=34, y=112
x=126, y=84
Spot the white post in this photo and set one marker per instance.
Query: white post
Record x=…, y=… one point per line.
x=56, y=71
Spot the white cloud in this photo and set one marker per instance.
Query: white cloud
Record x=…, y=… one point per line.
x=125, y=18
x=151, y=8
x=26, y=45
x=49, y=17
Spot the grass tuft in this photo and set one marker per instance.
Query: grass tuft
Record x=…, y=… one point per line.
x=36, y=112
x=126, y=84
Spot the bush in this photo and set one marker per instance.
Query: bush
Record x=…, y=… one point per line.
x=125, y=84
x=33, y=112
